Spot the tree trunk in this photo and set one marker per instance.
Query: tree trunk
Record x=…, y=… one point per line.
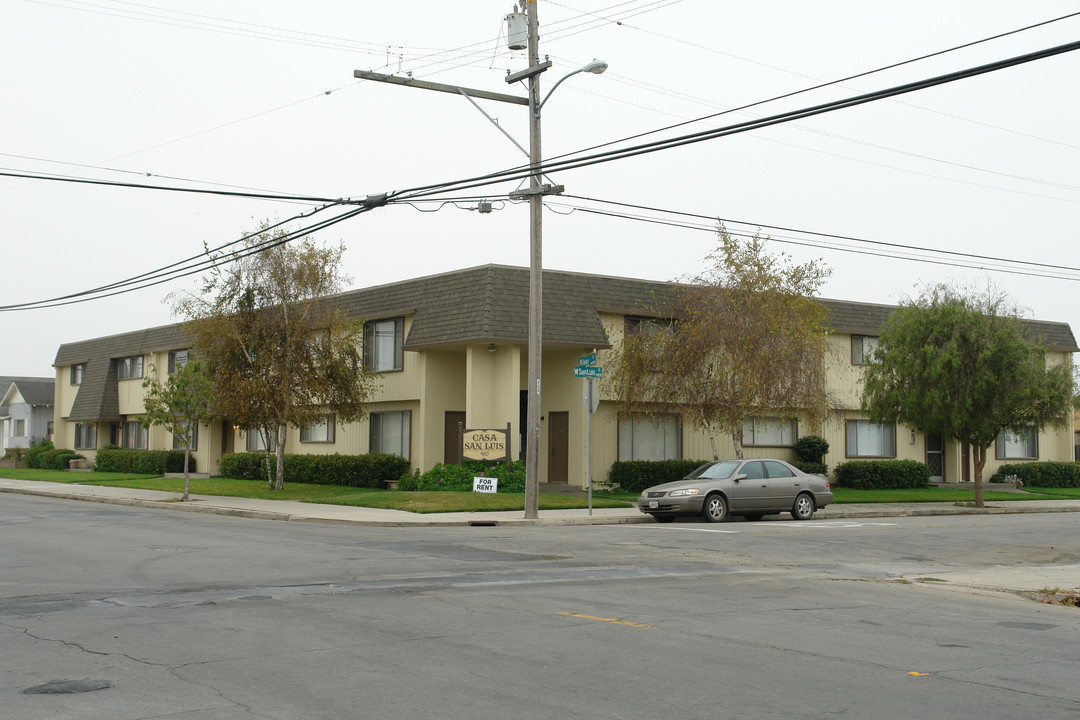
x=187, y=473
x=279, y=435
x=712, y=444
x=736, y=438
x=980, y=461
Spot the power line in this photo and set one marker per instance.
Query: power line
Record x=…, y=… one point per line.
x=521, y=172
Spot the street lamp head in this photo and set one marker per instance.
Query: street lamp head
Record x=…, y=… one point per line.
x=596, y=67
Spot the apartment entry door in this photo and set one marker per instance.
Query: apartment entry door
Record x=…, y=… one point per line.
x=558, y=447
x=451, y=450
x=935, y=457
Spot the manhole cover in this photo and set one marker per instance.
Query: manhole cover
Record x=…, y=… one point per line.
x=57, y=687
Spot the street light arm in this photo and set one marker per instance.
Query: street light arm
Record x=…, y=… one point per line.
x=596, y=67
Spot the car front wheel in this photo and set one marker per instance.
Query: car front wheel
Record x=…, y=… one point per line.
x=803, y=509
x=715, y=509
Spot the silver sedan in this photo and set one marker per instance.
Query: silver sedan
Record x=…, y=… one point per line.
x=751, y=488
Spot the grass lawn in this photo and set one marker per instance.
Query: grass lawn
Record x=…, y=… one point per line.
x=933, y=494
x=418, y=502
x=436, y=502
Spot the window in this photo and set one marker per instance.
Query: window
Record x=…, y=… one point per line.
x=85, y=436
x=254, y=441
x=177, y=360
x=1018, y=444
x=129, y=368
x=777, y=469
x=19, y=429
x=862, y=349
x=178, y=439
x=648, y=328
x=769, y=432
x=644, y=437
x=77, y=373
x=320, y=432
x=390, y=432
x=382, y=344
x=134, y=435
x=867, y=439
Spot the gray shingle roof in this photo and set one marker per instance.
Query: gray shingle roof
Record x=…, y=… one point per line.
x=483, y=304
x=34, y=390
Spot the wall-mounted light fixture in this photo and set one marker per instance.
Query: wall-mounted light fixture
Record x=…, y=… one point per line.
x=491, y=347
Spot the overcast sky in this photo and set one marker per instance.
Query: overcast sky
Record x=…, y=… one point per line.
x=259, y=96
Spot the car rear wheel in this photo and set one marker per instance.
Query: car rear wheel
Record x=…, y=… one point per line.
x=803, y=509
x=664, y=518
x=715, y=509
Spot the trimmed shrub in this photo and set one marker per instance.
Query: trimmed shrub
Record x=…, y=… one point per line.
x=814, y=468
x=61, y=459
x=34, y=455
x=1041, y=474
x=811, y=449
x=370, y=471
x=146, y=462
x=459, y=478
x=636, y=475
x=882, y=474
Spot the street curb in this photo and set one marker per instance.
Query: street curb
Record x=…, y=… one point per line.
x=834, y=512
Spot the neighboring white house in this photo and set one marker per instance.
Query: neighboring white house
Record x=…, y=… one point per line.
x=26, y=411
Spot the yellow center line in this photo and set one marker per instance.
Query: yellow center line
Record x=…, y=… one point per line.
x=610, y=620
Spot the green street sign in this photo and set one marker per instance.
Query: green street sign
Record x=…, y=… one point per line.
x=589, y=372
x=587, y=360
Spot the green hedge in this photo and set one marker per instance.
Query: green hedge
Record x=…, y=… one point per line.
x=148, y=462
x=459, y=478
x=814, y=468
x=1041, y=474
x=371, y=471
x=636, y=475
x=882, y=474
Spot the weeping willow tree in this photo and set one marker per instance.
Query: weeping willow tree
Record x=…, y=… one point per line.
x=745, y=339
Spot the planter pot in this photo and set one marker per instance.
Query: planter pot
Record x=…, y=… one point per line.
x=391, y=484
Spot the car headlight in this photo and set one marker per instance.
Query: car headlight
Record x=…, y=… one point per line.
x=687, y=491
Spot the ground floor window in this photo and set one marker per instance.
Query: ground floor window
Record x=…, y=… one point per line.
x=650, y=437
x=1018, y=444
x=85, y=436
x=390, y=432
x=319, y=432
x=769, y=432
x=255, y=442
x=178, y=439
x=134, y=435
x=870, y=439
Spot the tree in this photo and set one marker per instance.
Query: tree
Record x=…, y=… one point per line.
x=184, y=400
x=745, y=339
x=279, y=353
x=962, y=365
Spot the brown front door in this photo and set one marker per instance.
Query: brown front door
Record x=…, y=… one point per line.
x=558, y=447
x=451, y=448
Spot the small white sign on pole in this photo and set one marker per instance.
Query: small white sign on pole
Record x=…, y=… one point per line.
x=485, y=484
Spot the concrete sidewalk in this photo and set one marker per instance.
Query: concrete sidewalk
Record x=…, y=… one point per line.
x=312, y=512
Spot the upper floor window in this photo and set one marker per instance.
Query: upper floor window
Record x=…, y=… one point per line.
x=77, y=373
x=129, y=368
x=383, y=340
x=319, y=432
x=1018, y=444
x=650, y=437
x=862, y=349
x=769, y=432
x=177, y=360
x=869, y=439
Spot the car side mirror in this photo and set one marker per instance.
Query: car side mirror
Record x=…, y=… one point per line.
x=739, y=477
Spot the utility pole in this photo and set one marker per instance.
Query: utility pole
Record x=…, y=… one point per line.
x=536, y=280
x=535, y=193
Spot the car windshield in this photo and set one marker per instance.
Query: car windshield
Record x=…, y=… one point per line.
x=714, y=471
